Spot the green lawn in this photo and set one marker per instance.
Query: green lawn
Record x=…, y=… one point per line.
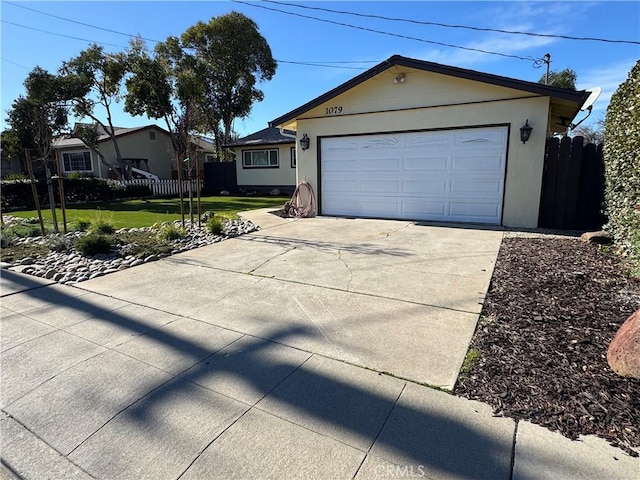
x=143, y=213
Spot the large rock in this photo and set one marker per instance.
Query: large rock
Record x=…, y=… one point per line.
x=624, y=351
x=601, y=237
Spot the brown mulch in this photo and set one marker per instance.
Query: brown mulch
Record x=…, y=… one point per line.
x=552, y=309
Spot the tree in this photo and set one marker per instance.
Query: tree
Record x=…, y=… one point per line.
x=592, y=132
x=233, y=57
x=42, y=115
x=105, y=74
x=622, y=165
x=563, y=78
x=11, y=145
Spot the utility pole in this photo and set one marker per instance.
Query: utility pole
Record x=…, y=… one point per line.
x=547, y=60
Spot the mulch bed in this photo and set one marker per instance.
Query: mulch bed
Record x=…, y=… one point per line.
x=552, y=309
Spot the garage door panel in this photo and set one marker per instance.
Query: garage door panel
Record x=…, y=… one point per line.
x=427, y=163
x=379, y=187
x=455, y=175
x=478, y=162
x=426, y=187
x=474, y=186
x=380, y=164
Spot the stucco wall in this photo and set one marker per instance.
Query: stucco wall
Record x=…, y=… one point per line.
x=158, y=152
x=284, y=175
x=413, y=105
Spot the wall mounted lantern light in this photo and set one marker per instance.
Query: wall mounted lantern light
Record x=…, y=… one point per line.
x=304, y=142
x=525, y=131
x=400, y=78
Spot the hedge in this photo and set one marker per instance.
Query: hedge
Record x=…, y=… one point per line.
x=17, y=195
x=622, y=165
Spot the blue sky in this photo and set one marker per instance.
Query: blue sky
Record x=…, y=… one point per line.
x=297, y=39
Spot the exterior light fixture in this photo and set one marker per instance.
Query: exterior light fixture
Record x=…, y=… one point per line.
x=525, y=132
x=304, y=142
x=399, y=78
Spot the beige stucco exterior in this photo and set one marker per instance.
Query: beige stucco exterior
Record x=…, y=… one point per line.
x=282, y=176
x=432, y=101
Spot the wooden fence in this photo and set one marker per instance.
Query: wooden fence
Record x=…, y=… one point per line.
x=165, y=188
x=572, y=185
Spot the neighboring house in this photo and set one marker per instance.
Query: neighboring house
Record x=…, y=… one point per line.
x=146, y=148
x=265, y=160
x=410, y=139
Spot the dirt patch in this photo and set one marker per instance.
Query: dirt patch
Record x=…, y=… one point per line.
x=553, y=307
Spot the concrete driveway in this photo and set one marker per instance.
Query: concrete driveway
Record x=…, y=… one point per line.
x=391, y=296
x=294, y=352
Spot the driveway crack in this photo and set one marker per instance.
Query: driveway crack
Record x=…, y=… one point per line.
x=346, y=265
x=250, y=272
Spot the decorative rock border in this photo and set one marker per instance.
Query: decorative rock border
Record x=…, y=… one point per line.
x=70, y=267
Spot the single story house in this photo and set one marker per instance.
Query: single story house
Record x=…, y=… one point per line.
x=411, y=139
x=266, y=160
x=148, y=148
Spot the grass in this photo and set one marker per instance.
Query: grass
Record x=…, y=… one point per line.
x=469, y=360
x=144, y=213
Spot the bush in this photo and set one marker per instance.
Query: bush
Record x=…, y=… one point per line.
x=59, y=243
x=80, y=225
x=171, y=232
x=16, y=194
x=93, y=243
x=15, y=176
x=214, y=225
x=27, y=229
x=7, y=238
x=100, y=226
x=622, y=165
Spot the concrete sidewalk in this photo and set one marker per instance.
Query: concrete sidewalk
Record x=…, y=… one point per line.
x=133, y=377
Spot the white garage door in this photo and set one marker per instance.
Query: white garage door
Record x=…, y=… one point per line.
x=451, y=175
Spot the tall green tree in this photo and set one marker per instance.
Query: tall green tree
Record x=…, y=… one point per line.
x=42, y=115
x=561, y=78
x=233, y=57
x=105, y=74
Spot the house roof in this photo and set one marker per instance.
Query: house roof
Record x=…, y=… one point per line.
x=572, y=96
x=266, y=136
x=71, y=141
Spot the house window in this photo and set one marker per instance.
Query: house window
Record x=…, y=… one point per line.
x=77, y=161
x=209, y=158
x=260, y=159
x=293, y=157
x=152, y=135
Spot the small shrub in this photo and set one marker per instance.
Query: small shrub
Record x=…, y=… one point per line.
x=214, y=225
x=7, y=238
x=93, y=243
x=27, y=229
x=14, y=176
x=59, y=243
x=171, y=232
x=80, y=225
x=101, y=225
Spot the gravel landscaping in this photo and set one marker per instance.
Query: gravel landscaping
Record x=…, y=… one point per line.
x=134, y=247
x=539, y=351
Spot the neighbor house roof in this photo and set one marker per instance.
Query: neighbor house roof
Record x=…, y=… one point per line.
x=266, y=136
x=573, y=96
x=71, y=141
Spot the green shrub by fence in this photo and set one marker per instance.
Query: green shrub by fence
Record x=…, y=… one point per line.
x=622, y=165
x=17, y=195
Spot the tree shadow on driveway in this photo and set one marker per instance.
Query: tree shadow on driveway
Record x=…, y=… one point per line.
x=406, y=424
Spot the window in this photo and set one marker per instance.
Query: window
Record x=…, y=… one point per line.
x=209, y=158
x=260, y=159
x=77, y=161
x=152, y=135
x=293, y=157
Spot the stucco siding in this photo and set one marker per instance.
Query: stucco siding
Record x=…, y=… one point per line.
x=283, y=175
x=524, y=162
x=158, y=152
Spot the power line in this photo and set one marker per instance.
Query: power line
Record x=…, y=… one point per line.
x=13, y=63
x=61, y=34
x=381, y=32
x=446, y=25
x=79, y=23
x=310, y=64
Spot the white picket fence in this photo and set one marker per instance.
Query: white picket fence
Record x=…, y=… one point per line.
x=166, y=188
